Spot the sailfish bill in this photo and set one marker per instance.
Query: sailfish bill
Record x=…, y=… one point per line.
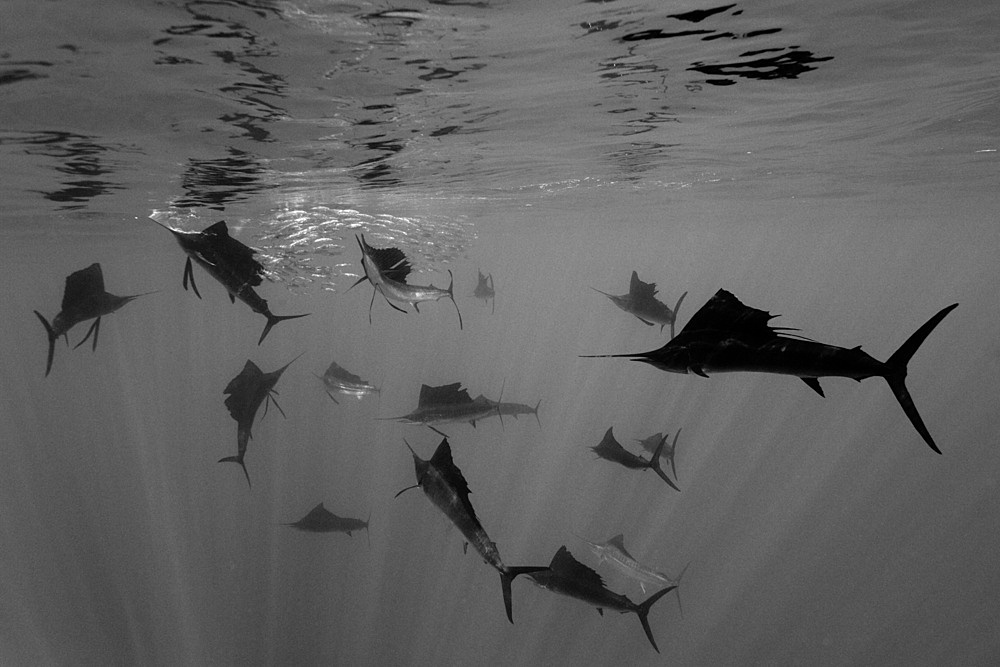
x=727, y=336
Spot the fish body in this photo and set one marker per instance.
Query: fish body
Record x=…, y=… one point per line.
x=516, y=409
x=484, y=290
x=568, y=576
x=338, y=379
x=321, y=520
x=443, y=483
x=387, y=269
x=610, y=449
x=231, y=263
x=726, y=336
x=448, y=404
x=245, y=394
x=84, y=298
x=641, y=301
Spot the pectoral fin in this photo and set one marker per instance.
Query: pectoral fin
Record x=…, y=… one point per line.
x=813, y=383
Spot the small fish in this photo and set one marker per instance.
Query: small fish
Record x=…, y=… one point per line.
x=614, y=553
x=84, y=298
x=339, y=379
x=231, y=263
x=641, y=301
x=246, y=392
x=448, y=404
x=727, y=336
x=321, y=520
x=610, y=449
x=444, y=484
x=568, y=576
x=387, y=269
x=484, y=290
x=669, y=452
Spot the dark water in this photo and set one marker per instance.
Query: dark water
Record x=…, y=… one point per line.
x=836, y=164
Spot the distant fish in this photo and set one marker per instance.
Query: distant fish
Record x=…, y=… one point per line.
x=568, y=576
x=668, y=452
x=727, y=336
x=484, y=290
x=321, y=520
x=448, y=404
x=84, y=298
x=387, y=269
x=231, y=263
x=339, y=379
x=641, y=301
x=246, y=392
x=614, y=553
x=444, y=484
x=610, y=449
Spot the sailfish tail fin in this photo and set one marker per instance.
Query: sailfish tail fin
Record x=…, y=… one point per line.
x=895, y=373
x=238, y=459
x=654, y=462
x=274, y=319
x=52, y=341
x=507, y=575
x=642, y=611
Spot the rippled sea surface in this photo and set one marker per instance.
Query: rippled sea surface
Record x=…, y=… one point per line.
x=834, y=163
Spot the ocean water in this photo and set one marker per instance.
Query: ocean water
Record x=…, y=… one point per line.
x=834, y=163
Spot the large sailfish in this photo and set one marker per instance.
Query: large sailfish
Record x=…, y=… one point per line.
x=245, y=393
x=231, y=263
x=387, y=270
x=84, y=298
x=727, y=336
x=444, y=484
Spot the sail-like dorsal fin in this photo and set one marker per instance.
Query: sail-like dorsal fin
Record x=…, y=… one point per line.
x=391, y=262
x=727, y=315
x=219, y=229
x=341, y=373
x=567, y=567
x=639, y=289
x=231, y=256
x=443, y=394
x=83, y=284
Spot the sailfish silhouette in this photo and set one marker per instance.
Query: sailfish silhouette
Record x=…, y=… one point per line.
x=444, y=484
x=231, y=263
x=246, y=392
x=641, y=301
x=84, y=298
x=610, y=449
x=727, y=336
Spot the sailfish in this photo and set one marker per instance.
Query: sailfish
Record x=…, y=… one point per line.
x=231, y=263
x=568, y=576
x=448, y=404
x=246, y=392
x=641, y=301
x=387, y=269
x=321, y=520
x=84, y=298
x=727, y=336
x=610, y=449
x=484, y=290
x=444, y=484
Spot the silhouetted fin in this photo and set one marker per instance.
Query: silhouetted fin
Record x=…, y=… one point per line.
x=677, y=306
x=619, y=542
x=507, y=576
x=896, y=373
x=52, y=341
x=564, y=565
x=639, y=289
x=274, y=319
x=725, y=313
x=654, y=461
x=239, y=257
x=445, y=394
x=82, y=285
x=189, y=277
x=643, y=612
x=94, y=329
x=238, y=459
x=445, y=465
x=814, y=385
